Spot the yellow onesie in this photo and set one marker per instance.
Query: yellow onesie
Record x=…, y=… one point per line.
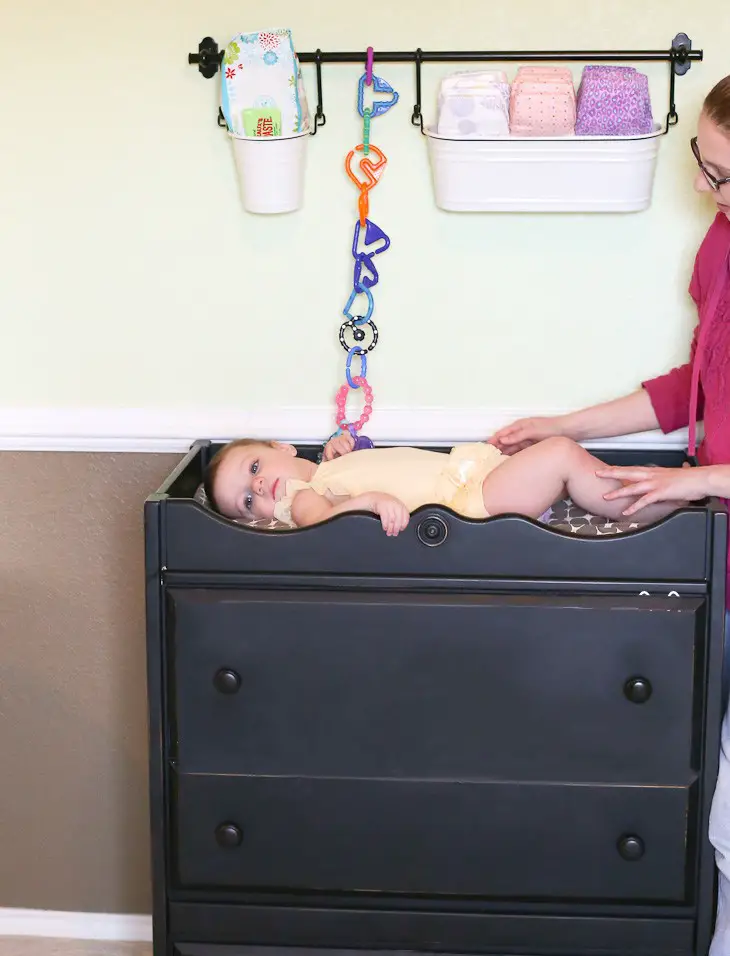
x=416, y=476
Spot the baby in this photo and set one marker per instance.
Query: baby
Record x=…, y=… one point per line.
x=265, y=479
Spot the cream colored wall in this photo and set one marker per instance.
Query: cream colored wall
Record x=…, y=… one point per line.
x=132, y=277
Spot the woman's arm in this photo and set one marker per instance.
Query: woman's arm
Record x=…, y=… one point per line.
x=622, y=416
x=670, y=394
x=650, y=485
x=718, y=480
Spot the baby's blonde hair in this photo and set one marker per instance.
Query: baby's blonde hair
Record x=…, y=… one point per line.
x=211, y=472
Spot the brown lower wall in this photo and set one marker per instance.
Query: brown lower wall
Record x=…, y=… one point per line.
x=73, y=722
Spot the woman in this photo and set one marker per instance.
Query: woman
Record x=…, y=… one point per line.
x=700, y=388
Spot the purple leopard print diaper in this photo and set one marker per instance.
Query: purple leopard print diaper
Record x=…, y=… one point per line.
x=613, y=101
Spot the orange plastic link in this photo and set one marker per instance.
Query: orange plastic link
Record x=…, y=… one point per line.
x=372, y=172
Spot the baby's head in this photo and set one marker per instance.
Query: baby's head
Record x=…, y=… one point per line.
x=247, y=477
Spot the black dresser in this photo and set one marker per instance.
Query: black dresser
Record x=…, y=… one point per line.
x=478, y=737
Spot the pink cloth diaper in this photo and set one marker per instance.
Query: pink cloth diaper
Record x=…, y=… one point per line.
x=542, y=102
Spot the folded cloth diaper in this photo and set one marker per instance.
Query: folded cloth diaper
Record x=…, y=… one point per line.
x=262, y=91
x=613, y=101
x=542, y=102
x=474, y=104
x=552, y=72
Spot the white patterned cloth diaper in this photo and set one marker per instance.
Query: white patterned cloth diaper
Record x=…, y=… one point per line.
x=473, y=105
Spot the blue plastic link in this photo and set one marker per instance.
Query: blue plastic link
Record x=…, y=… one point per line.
x=379, y=106
x=359, y=319
x=375, y=240
x=356, y=350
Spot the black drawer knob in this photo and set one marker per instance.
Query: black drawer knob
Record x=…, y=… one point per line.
x=432, y=531
x=227, y=681
x=631, y=848
x=229, y=835
x=637, y=690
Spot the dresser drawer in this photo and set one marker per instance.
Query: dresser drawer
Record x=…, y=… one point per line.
x=434, y=686
x=498, y=840
x=298, y=933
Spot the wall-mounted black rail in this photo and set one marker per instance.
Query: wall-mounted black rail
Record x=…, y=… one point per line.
x=679, y=56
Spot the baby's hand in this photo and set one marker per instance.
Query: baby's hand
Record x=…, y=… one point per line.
x=338, y=446
x=393, y=513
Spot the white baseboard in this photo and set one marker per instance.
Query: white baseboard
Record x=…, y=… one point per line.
x=173, y=430
x=59, y=924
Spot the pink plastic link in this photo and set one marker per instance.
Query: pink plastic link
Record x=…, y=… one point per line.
x=341, y=403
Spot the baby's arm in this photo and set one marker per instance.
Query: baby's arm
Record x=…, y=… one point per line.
x=309, y=508
x=338, y=446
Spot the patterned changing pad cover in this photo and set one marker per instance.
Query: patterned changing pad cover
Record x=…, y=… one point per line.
x=563, y=516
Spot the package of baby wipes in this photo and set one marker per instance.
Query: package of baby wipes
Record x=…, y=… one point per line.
x=262, y=91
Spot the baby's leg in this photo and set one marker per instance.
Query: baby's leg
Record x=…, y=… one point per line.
x=535, y=478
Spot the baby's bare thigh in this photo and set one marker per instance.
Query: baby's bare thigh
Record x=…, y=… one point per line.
x=530, y=481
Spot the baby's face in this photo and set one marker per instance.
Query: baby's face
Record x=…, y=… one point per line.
x=252, y=478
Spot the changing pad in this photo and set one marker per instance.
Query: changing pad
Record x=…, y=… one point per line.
x=563, y=516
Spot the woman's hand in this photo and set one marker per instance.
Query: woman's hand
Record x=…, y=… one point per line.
x=652, y=484
x=394, y=515
x=525, y=432
x=338, y=446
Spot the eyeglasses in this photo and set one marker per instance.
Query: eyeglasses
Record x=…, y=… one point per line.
x=714, y=182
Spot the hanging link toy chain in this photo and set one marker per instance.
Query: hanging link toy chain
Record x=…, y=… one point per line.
x=369, y=241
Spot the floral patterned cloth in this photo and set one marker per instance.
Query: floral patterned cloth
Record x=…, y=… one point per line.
x=262, y=90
